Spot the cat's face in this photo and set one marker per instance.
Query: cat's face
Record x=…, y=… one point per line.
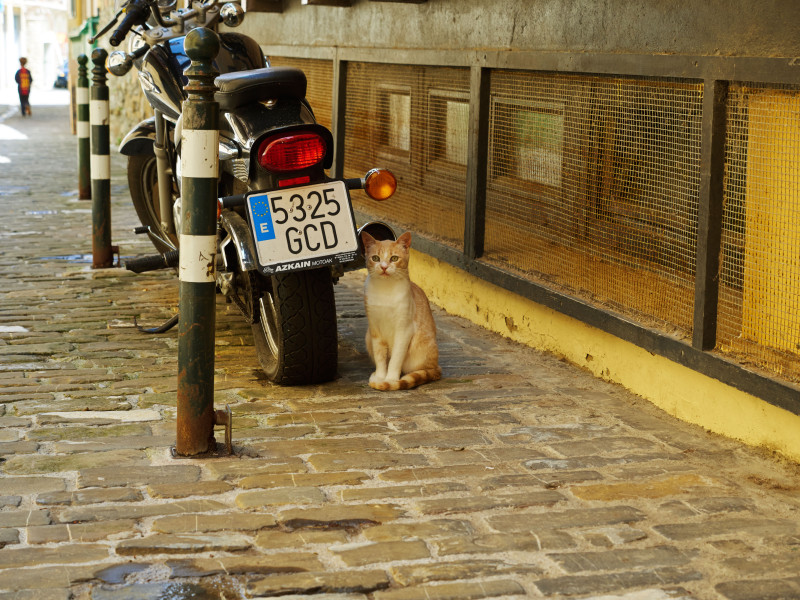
x=386, y=258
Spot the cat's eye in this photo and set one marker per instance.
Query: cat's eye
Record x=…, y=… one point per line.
x=395, y=258
x=376, y=258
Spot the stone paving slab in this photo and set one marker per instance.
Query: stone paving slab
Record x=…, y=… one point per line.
x=517, y=475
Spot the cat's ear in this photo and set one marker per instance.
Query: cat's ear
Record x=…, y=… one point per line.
x=367, y=239
x=405, y=240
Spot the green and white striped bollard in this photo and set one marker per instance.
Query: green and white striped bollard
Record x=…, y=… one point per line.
x=102, y=251
x=198, y=249
x=82, y=126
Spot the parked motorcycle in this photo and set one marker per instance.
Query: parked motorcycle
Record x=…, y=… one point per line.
x=286, y=230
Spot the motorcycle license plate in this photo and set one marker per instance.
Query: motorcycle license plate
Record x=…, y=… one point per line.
x=303, y=227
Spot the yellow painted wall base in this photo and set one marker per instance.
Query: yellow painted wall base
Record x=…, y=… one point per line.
x=680, y=391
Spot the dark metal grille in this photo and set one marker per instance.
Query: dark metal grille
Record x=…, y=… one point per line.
x=759, y=302
x=413, y=120
x=593, y=189
x=319, y=74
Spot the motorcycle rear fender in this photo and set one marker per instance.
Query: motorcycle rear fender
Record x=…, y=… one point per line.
x=237, y=248
x=140, y=139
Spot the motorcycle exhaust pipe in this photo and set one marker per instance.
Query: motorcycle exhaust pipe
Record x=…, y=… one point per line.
x=377, y=229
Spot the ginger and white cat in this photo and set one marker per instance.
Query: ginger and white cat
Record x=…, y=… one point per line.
x=401, y=340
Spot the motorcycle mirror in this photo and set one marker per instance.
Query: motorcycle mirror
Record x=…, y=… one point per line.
x=232, y=14
x=119, y=63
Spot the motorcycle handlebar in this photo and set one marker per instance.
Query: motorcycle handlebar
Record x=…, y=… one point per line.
x=184, y=16
x=134, y=15
x=103, y=31
x=137, y=12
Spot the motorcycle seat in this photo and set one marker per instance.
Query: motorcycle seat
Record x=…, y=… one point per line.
x=245, y=87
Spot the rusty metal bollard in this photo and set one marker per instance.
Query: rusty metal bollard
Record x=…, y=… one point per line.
x=198, y=250
x=83, y=130
x=102, y=251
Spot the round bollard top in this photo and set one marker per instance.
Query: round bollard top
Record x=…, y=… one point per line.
x=201, y=44
x=99, y=56
x=82, y=59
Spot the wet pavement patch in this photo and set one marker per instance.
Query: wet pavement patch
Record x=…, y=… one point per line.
x=169, y=590
x=118, y=573
x=78, y=258
x=9, y=190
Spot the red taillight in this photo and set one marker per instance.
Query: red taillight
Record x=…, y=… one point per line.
x=291, y=152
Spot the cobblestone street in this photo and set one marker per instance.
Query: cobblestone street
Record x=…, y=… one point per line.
x=517, y=475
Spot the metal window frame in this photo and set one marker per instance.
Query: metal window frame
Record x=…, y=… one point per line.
x=715, y=72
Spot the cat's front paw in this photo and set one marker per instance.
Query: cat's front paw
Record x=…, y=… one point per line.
x=388, y=384
x=375, y=378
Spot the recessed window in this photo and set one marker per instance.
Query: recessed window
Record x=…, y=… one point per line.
x=448, y=127
x=399, y=134
x=394, y=109
x=535, y=133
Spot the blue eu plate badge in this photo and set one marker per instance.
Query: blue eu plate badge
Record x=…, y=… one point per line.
x=262, y=218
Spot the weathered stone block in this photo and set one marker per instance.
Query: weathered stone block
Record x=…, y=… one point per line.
x=30, y=557
x=275, y=539
x=137, y=475
x=202, y=523
x=465, y=590
x=8, y=536
x=424, y=530
x=287, y=562
x=731, y=526
x=504, y=542
x=612, y=560
x=453, y=438
x=603, y=583
x=92, y=496
x=407, y=575
x=136, y=511
x=341, y=516
x=24, y=518
x=590, y=517
x=366, y=554
x=191, y=488
x=478, y=503
x=183, y=544
x=279, y=496
x=80, y=532
x=364, y=460
x=449, y=472
x=658, y=488
x=352, y=581
x=272, y=480
x=42, y=463
x=761, y=589
x=401, y=491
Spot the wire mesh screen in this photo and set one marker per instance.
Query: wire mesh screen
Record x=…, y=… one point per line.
x=319, y=74
x=593, y=189
x=413, y=120
x=759, y=302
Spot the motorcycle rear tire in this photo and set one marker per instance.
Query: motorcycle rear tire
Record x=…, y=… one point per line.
x=295, y=337
x=143, y=184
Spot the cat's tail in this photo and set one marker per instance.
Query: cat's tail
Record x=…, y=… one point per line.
x=415, y=378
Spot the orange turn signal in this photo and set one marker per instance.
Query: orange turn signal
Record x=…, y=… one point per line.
x=380, y=184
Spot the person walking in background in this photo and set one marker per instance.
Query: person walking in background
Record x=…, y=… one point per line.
x=24, y=79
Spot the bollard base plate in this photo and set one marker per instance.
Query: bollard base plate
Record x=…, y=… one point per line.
x=220, y=450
